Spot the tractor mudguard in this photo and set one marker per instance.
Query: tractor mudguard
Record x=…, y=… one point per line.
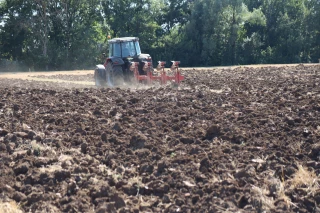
x=116, y=60
x=100, y=71
x=100, y=66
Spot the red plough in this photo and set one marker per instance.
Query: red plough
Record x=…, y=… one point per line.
x=163, y=77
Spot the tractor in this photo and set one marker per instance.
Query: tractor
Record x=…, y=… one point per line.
x=116, y=69
x=126, y=64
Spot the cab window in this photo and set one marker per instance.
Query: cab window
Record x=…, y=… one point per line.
x=110, y=50
x=137, y=47
x=116, y=49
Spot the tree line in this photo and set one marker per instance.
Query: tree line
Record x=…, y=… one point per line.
x=73, y=34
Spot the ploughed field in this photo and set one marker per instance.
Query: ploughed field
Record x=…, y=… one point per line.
x=237, y=140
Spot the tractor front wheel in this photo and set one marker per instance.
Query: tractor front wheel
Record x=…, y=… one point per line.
x=100, y=77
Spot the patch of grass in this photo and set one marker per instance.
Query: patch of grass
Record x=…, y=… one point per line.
x=276, y=189
x=50, y=169
x=261, y=201
x=37, y=148
x=137, y=182
x=117, y=177
x=305, y=179
x=282, y=195
x=103, y=169
x=10, y=207
x=215, y=179
x=64, y=158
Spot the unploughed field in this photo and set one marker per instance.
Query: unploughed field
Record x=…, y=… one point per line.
x=243, y=139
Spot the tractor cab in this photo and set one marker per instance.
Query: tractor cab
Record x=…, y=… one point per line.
x=124, y=47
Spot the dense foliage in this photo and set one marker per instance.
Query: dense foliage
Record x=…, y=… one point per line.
x=73, y=34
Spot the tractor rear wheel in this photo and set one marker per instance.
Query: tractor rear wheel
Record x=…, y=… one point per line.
x=100, y=77
x=115, y=74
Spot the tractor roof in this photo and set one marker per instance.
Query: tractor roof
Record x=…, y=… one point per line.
x=123, y=39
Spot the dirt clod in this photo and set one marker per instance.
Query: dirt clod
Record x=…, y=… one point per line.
x=21, y=169
x=118, y=201
x=84, y=147
x=19, y=197
x=138, y=141
x=213, y=131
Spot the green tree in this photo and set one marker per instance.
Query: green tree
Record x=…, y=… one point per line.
x=13, y=30
x=313, y=29
x=212, y=32
x=287, y=30
x=51, y=34
x=250, y=36
x=175, y=12
x=77, y=31
x=253, y=4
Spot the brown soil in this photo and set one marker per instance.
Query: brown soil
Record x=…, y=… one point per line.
x=242, y=139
